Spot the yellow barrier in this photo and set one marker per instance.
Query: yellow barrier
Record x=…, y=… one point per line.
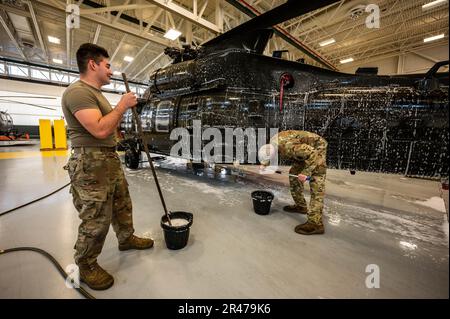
x=45, y=134
x=60, y=134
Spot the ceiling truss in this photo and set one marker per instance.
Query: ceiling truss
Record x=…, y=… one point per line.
x=136, y=28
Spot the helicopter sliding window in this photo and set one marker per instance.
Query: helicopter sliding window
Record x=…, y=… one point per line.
x=220, y=110
x=189, y=111
x=162, y=118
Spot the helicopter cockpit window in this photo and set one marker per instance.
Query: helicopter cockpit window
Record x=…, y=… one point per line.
x=162, y=118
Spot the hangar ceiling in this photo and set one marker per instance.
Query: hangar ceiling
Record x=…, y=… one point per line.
x=133, y=30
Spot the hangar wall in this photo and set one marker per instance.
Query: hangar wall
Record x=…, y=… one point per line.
x=21, y=100
x=419, y=61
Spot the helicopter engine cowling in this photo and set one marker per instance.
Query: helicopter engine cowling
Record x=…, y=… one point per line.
x=179, y=76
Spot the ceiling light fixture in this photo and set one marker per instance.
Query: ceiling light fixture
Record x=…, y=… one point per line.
x=433, y=4
x=436, y=37
x=128, y=58
x=347, y=60
x=59, y=61
x=54, y=39
x=327, y=42
x=172, y=34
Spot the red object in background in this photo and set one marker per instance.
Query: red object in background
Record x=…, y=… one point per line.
x=445, y=186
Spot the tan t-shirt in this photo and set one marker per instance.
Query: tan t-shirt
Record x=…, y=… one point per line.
x=79, y=96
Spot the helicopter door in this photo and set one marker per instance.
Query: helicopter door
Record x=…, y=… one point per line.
x=293, y=113
x=163, y=124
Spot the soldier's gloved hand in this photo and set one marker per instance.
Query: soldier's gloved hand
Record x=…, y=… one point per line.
x=303, y=178
x=263, y=165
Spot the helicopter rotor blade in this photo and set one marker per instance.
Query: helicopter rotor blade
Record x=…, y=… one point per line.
x=284, y=12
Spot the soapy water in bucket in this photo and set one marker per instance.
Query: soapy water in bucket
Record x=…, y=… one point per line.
x=177, y=222
x=262, y=196
x=177, y=234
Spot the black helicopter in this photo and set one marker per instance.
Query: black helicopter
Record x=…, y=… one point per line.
x=395, y=124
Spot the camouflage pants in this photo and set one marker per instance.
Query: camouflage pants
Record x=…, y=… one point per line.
x=317, y=190
x=100, y=195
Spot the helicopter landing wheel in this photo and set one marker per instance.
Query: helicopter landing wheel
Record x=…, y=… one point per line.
x=131, y=159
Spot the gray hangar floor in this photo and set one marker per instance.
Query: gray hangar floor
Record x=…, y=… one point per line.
x=398, y=224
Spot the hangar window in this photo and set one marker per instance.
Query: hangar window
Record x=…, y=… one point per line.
x=110, y=86
x=40, y=74
x=59, y=76
x=18, y=70
x=2, y=68
x=120, y=87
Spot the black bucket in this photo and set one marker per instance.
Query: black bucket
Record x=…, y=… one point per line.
x=176, y=237
x=262, y=200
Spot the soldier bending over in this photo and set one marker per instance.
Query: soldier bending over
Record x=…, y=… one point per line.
x=308, y=151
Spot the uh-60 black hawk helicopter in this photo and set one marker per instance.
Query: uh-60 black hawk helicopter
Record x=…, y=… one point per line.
x=395, y=124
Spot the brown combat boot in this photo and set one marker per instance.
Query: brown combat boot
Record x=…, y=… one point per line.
x=136, y=243
x=309, y=228
x=95, y=276
x=296, y=209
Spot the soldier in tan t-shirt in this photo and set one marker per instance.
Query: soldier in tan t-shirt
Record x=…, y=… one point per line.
x=98, y=185
x=82, y=96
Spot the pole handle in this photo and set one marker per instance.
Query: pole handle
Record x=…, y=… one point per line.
x=147, y=152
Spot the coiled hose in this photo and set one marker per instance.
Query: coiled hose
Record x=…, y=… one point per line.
x=53, y=260
x=41, y=251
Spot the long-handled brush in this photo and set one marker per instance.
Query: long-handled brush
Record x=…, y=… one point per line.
x=144, y=142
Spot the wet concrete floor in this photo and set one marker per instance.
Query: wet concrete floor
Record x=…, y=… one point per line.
x=398, y=224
